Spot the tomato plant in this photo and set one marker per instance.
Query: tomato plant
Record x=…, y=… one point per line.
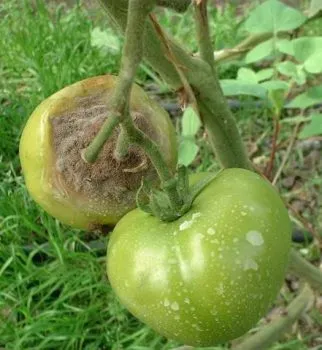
x=209, y=276
x=80, y=194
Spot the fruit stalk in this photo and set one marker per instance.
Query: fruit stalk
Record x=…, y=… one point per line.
x=203, y=33
x=131, y=58
x=120, y=114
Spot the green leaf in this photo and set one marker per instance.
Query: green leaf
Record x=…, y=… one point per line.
x=315, y=7
x=313, y=63
x=264, y=74
x=260, y=51
x=314, y=128
x=190, y=122
x=287, y=68
x=301, y=76
x=105, y=40
x=307, y=99
x=275, y=85
x=305, y=47
x=187, y=152
x=247, y=75
x=292, y=70
x=233, y=87
x=285, y=46
x=272, y=17
x=276, y=97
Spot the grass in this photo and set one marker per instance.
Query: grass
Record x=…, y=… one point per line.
x=53, y=289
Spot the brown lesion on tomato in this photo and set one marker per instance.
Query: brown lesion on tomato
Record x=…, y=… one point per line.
x=108, y=179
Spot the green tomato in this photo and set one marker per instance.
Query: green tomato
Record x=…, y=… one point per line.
x=79, y=194
x=209, y=276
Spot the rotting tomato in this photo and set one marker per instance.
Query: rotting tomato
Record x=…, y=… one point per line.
x=85, y=195
x=209, y=276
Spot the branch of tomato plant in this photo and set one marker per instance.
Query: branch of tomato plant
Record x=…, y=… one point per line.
x=300, y=267
x=188, y=95
x=249, y=43
x=217, y=117
x=269, y=334
x=269, y=168
x=203, y=33
x=241, y=48
x=131, y=58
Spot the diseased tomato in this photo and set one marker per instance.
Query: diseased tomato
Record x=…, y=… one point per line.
x=209, y=276
x=89, y=195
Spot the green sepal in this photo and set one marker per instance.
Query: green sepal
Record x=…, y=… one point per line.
x=183, y=182
x=160, y=204
x=141, y=203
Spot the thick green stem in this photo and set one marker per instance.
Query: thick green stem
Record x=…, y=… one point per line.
x=131, y=57
x=136, y=136
x=303, y=269
x=242, y=48
x=273, y=331
x=122, y=145
x=91, y=153
x=203, y=33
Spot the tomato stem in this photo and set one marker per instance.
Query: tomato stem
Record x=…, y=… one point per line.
x=122, y=145
x=203, y=34
x=91, y=153
x=131, y=58
x=302, y=268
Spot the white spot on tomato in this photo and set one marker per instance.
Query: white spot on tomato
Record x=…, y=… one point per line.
x=220, y=289
x=199, y=236
x=250, y=264
x=255, y=238
x=195, y=216
x=175, y=306
x=186, y=224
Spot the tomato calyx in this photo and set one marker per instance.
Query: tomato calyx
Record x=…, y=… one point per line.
x=160, y=202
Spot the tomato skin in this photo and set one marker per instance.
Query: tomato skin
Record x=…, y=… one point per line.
x=212, y=274
x=39, y=161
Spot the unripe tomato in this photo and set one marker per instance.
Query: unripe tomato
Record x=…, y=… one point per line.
x=85, y=195
x=209, y=276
